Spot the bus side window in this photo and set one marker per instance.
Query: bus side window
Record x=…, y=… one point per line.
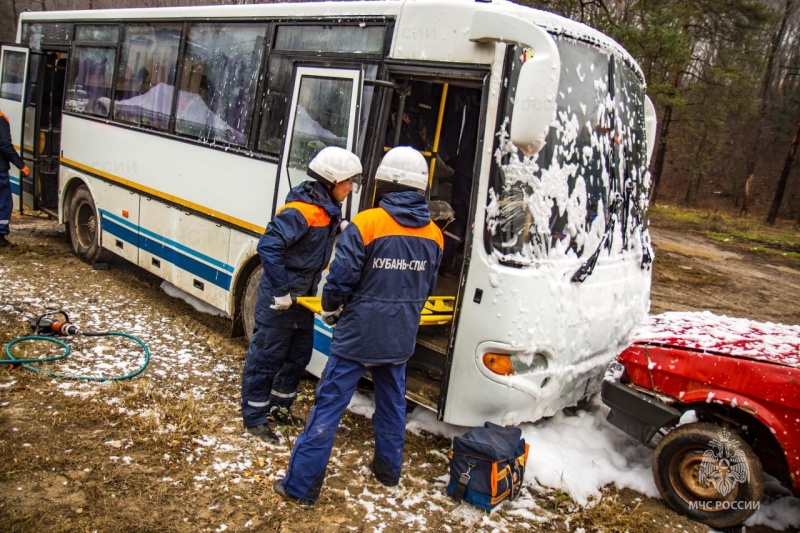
x=13, y=73
x=218, y=82
x=146, y=74
x=322, y=119
x=91, y=72
x=273, y=111
x=296, y=44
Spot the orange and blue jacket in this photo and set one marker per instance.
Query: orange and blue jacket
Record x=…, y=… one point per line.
x=7, y=152
x=294, y=249
x=384, y=269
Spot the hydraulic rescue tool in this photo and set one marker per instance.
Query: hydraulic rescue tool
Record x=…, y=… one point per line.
x=46, y=327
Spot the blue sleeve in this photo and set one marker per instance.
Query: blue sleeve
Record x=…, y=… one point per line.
x=286, y=228
x=435, y=273
x=6, y=148
x=345, y=273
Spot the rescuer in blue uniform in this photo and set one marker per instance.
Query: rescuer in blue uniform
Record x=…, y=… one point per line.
x=7, y=155
x=384, y=269
x=294, y=250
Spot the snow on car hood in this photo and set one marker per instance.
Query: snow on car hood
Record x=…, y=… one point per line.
x=738, y=337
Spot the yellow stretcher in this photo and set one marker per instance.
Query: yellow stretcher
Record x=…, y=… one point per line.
x=438, y=310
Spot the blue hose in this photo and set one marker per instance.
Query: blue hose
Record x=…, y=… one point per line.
x=25, y=363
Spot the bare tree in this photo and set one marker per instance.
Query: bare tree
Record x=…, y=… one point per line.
x=784, y=177
x=769, y=75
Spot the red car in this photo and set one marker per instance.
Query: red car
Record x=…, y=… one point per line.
x=723, y=394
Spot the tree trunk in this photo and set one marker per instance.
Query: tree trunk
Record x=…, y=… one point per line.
x=787, y=168
x=748, y=189
x=663, y=136
x=691, y=193
x=690, y=199
x=769, y=74
x=661, y=152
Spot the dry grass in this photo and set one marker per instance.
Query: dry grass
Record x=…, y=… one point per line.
x=778, y=241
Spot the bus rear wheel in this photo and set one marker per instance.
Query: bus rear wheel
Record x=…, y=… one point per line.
x=83, y=226
x=249, y=301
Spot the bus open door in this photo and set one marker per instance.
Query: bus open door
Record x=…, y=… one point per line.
x=14, y=61
x=439, y=114
x=42, y=133
x=32, y=96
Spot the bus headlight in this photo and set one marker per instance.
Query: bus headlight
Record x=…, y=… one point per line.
x=505, y=364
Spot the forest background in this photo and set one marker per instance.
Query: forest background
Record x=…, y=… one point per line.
x=724, y=76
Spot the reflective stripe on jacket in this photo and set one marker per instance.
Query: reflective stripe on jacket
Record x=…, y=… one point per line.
x=384, y=269
x=294, y=249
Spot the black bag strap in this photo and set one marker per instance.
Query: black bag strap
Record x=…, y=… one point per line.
x=517, y=472
x=463, y=481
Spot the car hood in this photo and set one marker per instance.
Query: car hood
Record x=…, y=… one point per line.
x=716, y=334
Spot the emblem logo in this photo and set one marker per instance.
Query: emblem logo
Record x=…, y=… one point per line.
x=724, y=465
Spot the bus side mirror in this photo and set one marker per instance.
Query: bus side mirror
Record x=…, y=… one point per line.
x=537, y=87
x=650, y=121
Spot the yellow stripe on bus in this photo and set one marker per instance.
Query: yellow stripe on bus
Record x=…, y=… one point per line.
x=168, y=197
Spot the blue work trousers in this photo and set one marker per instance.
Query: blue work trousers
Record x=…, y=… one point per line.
x=312, y=450
x=6, y=202
x=275, y=362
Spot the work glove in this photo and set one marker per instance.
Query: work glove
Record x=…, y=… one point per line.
x=280, y=303
x=25, y=171
x=331, y=317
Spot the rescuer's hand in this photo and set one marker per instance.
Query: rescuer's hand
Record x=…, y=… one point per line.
x=25, y=171
x=331, y=317
x=281, y=302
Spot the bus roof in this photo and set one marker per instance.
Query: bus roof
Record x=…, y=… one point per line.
x=392, y=9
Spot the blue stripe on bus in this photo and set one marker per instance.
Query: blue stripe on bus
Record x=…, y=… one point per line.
x=322, y=337
x=181, y=260
x=122, y=232
x=14, y=185
x=170, y=242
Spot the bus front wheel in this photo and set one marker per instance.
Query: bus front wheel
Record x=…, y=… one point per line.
x=249, y=301
x=84, y=226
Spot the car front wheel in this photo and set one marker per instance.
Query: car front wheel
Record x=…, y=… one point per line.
x=709, y=474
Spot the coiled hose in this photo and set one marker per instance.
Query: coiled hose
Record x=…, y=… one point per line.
x=26, y=363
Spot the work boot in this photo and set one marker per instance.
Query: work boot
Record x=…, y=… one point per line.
x=280, y=491
x=385, y=478
x=284, y=417
x=263, y=432
x=4, y=242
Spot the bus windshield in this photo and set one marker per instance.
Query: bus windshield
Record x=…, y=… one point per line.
x=586, y=187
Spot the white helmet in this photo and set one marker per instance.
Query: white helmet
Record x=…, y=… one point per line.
x=333, y=164
x=404, y=166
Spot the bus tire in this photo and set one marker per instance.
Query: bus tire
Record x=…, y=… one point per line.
x=677, y=465
x=83, y=226
x=249, y=299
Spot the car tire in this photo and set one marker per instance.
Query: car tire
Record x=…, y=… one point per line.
x=83, y=225
x=709, y=474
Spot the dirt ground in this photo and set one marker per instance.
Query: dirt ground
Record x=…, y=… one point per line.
x=166, y=452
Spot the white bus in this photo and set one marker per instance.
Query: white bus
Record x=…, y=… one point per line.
x=170, y=136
